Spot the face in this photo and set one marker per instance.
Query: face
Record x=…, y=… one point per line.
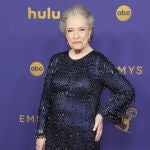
x=77, y=32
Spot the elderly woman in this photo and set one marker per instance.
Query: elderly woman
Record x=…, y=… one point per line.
x=70, y=114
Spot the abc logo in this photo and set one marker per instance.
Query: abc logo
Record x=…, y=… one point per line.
x=123, y=13
x=36, y=69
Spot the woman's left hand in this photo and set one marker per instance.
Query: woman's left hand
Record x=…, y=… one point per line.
x=98, y=126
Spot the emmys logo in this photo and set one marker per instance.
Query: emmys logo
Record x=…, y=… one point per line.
x=130, y=114
x=23, y=118
x=45, y=14
x=36, y=69
x=131, y=70
x=123, y=13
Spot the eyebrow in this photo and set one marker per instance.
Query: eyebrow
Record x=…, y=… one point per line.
x=75, y=28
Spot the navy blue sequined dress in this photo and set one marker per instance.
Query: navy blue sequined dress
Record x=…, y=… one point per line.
x=71, y=100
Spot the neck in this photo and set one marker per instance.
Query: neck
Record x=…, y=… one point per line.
x=82, y=51
x=76, y=54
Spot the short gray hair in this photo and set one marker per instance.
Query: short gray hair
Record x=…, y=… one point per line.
x=73, y=11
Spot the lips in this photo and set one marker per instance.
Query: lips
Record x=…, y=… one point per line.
x=77, y=42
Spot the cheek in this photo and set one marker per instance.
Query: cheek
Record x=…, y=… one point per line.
x=85, y=40
x=68, y=40
x=86, y=37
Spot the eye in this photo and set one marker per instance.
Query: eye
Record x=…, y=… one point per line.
x=82, y=29
x=69, y=30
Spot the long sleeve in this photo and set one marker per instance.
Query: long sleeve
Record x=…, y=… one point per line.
x=45, y=102
x=122, y=89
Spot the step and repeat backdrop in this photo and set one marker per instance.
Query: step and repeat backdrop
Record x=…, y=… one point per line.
x=29, y=36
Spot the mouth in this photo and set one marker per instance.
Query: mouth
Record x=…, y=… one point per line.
x=77, y=42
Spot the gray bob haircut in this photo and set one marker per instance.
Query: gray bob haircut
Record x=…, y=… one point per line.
x=73, y=11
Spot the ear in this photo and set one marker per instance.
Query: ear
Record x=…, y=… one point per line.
x=66, y=37
x=90, y=32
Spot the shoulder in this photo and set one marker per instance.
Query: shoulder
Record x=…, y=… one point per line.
x=57, y=56
x=103, y=61
x=99, y=56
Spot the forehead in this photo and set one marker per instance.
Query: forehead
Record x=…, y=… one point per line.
x=76, y=21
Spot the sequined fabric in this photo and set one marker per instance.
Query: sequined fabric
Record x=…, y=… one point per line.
x=71, y=99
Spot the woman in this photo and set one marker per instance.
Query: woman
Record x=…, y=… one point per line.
x=70, y=115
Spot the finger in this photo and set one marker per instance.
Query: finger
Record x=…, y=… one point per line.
x=98, y=137
x=43, y=147
x=99, y=129
x=98, y=133
x=39, y=146
x=95, y=125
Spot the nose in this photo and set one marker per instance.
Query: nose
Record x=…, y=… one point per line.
x=76, y=34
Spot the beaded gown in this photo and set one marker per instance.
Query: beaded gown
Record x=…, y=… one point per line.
x=71, y=99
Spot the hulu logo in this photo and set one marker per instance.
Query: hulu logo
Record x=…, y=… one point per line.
x=45, y=14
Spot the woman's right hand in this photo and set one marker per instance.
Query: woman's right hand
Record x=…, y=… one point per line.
x=40, y=143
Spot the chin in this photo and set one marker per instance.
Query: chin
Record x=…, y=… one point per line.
x=77, y=48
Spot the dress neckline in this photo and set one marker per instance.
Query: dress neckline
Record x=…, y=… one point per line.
x=79, y=58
